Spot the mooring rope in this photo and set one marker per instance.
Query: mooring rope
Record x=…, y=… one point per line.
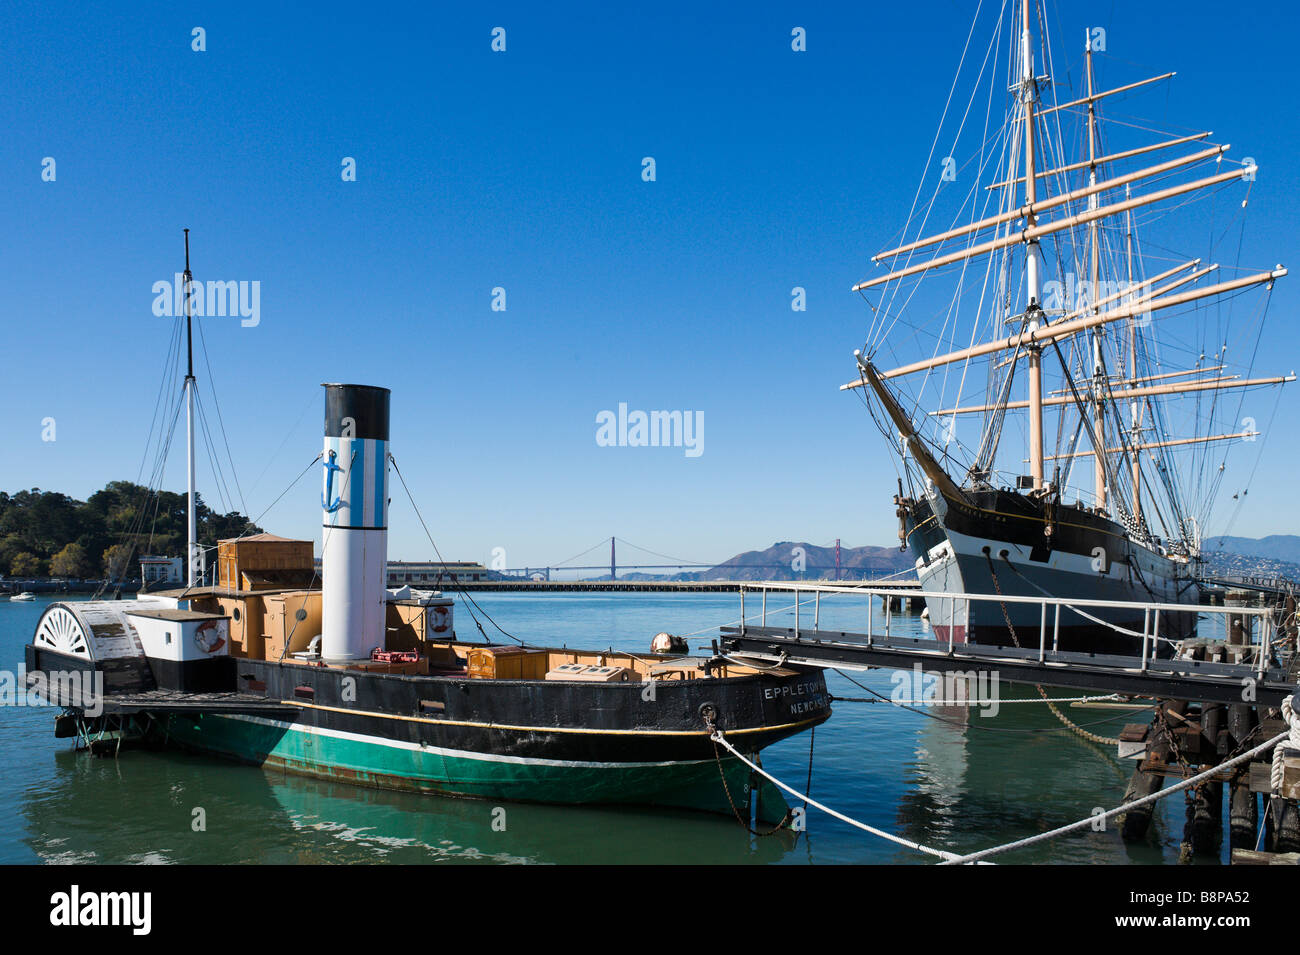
x=1126, y=807
x=951, y=858
x=1292, y=719
x=718, y=738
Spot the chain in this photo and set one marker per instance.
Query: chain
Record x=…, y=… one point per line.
x=1092, y=737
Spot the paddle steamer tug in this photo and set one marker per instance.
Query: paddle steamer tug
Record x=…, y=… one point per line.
x=350, y=681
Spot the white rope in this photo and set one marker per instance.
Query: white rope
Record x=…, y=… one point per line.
x=1293, y=721
x=1091, y=820
x=717, y=737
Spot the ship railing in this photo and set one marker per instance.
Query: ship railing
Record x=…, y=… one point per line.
x=1260, y=634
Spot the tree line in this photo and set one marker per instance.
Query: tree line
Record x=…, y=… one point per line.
x=49, y=534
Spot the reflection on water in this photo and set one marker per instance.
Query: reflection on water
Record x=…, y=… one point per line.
x=144, y=807
x=944, y=778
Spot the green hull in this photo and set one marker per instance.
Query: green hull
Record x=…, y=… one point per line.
x=393, y=764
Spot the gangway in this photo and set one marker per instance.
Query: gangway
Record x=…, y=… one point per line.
x=1254, y=671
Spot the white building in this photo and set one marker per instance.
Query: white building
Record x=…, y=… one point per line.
x=162, y=570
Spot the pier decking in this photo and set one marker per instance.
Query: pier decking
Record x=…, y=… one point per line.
x=641, y=586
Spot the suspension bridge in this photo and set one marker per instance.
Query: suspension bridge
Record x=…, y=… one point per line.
x=783, y=569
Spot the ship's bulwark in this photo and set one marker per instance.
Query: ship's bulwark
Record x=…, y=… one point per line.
x=996, y=545
x=514, y=740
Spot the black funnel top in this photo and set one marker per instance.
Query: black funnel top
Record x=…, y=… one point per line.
x=365, y=405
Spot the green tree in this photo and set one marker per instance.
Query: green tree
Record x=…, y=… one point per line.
x=71, y=561
x=25, y=565
x=10, y=547
x=116, y=560
x=40, y=525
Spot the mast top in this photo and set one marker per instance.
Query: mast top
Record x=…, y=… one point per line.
x=189, y=337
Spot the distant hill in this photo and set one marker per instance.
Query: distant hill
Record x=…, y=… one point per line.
x=1283, y=547
x=799, y=560
x=1275, y=556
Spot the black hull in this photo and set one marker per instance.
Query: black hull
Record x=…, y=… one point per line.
x=997, y=544
x=544, y=741
x=600, y=722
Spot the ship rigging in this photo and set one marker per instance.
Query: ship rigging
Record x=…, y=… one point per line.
x=1062, y=310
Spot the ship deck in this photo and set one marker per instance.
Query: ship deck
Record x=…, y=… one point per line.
x=158, y=701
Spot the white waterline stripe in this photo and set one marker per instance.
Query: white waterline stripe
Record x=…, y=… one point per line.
x=441, y=751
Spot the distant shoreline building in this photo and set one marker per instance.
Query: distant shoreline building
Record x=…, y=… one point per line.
x=161, y=570
x=431, y=572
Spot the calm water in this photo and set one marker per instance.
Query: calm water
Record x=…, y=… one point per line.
x=960, y=788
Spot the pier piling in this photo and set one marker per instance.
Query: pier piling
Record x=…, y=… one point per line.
x=1135, y=823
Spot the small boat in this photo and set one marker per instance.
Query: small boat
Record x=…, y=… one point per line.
x=25, y=595
x=328, y=674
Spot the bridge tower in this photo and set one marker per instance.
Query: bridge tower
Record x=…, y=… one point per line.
x=837, y=558
x=613, y=566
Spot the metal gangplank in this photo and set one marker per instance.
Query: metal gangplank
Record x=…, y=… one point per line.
x=1258, y=675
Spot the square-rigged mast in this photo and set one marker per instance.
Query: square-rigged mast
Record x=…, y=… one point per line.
x=1029, y=214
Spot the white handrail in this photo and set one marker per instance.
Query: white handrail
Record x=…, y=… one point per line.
x=1011, y=598
x=1150, y=628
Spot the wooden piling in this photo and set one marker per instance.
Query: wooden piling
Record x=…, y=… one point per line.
x=1205, y=828
x=1243, y=814
x=1243, y=804
x=1287, y=838
x=1135, y=823
x=1289, y=622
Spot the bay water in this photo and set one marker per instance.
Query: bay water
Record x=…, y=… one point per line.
x=954, y=783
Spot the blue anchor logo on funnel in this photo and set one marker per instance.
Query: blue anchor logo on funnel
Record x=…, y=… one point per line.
x=330, y=468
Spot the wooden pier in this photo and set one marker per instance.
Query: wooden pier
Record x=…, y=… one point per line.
x=652, y=586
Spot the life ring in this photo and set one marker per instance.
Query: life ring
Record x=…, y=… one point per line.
x=209, y=642
x=442, y=619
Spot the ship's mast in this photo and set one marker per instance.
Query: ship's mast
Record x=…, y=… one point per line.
x=1098, y=366
x=1132, y=378
x=191, y=535
x=1028, y=89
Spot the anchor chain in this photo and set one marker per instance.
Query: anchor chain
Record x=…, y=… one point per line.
x=1070, y=725
x=709, y=714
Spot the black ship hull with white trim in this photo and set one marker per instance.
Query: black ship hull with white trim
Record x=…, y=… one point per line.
x=1001, y=542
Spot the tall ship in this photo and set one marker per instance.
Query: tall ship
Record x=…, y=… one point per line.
x=1061, y=378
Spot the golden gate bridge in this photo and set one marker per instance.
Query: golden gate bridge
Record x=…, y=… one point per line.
x=679, y=564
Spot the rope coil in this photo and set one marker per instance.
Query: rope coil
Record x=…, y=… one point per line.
x=1293, y=741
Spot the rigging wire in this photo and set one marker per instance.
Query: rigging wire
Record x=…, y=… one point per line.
x=454, y=582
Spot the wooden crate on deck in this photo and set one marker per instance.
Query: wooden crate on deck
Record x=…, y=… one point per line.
x=263, y=562
x=507, y=663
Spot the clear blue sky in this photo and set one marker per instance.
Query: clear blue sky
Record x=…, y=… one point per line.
x=523, y=170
